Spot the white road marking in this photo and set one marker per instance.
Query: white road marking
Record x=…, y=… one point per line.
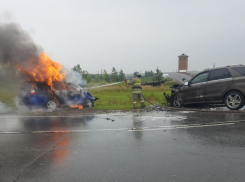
x=10, y=132
x=68, y=131
x=172, y=127
x=75, y=116
x=15, y=116
x=179, y=127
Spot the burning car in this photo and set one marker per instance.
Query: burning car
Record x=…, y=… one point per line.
x=40, y=94
x=221, y=85
x=40, y=72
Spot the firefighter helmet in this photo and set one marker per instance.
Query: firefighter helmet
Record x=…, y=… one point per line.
x=136, y=74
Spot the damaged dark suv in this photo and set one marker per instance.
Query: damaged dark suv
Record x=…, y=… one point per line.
x=221, y=85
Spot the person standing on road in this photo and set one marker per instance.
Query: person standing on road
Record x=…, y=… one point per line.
x=137, y=90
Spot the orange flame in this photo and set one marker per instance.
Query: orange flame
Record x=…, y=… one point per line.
x=77, y=106
x=42, y=70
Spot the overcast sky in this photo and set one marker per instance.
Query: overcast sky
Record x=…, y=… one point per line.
x=133, y=35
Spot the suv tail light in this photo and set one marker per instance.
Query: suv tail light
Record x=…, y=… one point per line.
x=33, y=92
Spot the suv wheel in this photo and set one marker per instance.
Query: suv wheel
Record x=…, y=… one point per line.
x=51, y=105
x=234, y=100
x=177, y=101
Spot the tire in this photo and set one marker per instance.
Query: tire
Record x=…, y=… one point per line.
x=234, y=100
x=90, y=103
x=177, y=101
x=51, y=105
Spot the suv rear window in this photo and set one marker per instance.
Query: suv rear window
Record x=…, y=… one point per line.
x=240, y=70
x=219, y=74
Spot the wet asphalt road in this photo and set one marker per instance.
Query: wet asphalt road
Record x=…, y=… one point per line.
x=156, y=146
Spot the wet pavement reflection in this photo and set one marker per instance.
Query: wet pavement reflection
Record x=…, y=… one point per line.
x=155, y=146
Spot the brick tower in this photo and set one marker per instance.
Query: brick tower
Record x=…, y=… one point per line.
x=183, y=64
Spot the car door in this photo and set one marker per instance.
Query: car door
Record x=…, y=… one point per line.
x=24, y=92
x=195, y=91
x=218, y=82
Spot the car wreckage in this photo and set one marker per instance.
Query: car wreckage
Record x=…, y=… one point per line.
x=221, y=86
x=39, y=94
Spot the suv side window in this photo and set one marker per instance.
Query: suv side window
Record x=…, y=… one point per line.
x=240, y=70
x=41, y=87
x=200, y=78
x=219, y=74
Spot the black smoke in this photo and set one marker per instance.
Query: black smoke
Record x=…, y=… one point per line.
x=16, y=46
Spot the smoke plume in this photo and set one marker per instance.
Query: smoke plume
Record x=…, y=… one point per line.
x=3, y=108
x=16, y=46
x=21, y=57
x=17, y=50
x=75, y=77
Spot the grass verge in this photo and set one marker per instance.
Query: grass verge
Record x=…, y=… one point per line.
x=7, y=98
x=120, y=97
x=114, y=97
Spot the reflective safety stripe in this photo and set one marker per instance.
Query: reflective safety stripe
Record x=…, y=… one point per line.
x=142, y=101
x=137, y=82
x=134, y=102
x=136, y=92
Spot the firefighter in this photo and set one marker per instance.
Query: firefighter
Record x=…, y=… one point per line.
x=136, y=90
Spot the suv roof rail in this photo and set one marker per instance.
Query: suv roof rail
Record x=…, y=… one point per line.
x=235, y=65
x=231, y=65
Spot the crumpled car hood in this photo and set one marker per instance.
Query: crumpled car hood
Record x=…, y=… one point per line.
x=179, y=78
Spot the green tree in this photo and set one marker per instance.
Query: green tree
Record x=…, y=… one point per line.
x=97, y=79
x=149, y=74
x=77, y=68
x=84, y=73
x=114, y=75
x=106, y=76
x=89, y=78
x=158, y=75
x=121, y=75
